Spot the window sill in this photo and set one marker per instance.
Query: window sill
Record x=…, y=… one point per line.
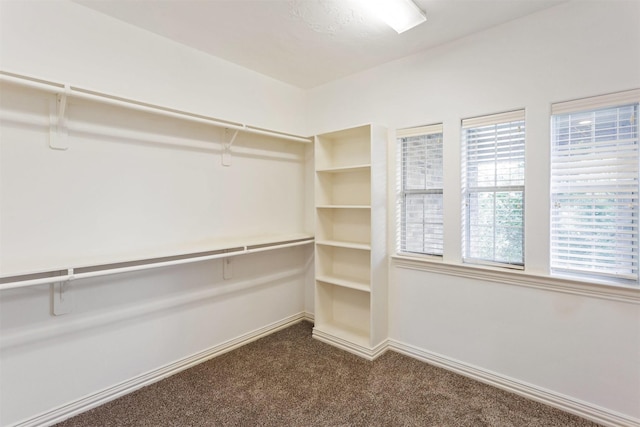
x=613, y=292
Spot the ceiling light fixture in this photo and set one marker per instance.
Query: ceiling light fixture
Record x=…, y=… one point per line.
x=401, y=15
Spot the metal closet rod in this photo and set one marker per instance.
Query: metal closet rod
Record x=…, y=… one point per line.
x=109, y=271
x=76, y=92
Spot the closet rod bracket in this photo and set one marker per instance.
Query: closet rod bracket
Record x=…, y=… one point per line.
x=58, y=132
x=62, y=296
x=226, y=146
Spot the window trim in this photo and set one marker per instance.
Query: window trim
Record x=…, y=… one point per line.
x=401, y=192
x=595, y=102
x=611, y=100
x=505, y=276
x=480, y=121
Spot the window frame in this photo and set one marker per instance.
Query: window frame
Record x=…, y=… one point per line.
x=402, y=192
x=591, y=105
x=500, y=119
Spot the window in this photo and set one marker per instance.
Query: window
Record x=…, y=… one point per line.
x=421, y=190
x=493, y=189
x=594, y=187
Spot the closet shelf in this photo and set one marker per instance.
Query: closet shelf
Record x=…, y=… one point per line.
x=343, y=169
x=343, y=207
x=344, y=282
x=222, y=248
x=68, y=91
x=344, y=244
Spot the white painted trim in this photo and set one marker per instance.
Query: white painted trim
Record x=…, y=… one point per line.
x=492, y=119
x=625, y=294
x=539, y=394
x=364, y=352
x=309, y=317
x=419, y=131
x=91, y=401
x=594, y=102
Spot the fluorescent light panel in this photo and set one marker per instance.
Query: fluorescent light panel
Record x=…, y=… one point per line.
x=401, y=15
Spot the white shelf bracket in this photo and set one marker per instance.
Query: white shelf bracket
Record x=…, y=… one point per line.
x=58, y=121
x=226, y=148
x=227, y=268
x=62, y=296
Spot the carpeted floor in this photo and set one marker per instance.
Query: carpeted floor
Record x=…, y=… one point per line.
x=291, y=379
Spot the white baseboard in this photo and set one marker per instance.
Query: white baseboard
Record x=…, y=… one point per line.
x=565, y=403
x=358, y=350
x=583, y=409
x=91, y=401
x=309, y=317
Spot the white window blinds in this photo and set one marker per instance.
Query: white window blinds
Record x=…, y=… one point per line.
x=493, y=185
x=420, y=210
x=594, y=187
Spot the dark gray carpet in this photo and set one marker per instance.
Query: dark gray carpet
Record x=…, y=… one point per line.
x=291, y=379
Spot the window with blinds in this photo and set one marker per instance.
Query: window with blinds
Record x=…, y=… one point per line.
x=594, y=187
x=420, y=208
x=493, y=189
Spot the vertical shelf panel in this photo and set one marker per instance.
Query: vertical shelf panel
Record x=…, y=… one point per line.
x=379, y=223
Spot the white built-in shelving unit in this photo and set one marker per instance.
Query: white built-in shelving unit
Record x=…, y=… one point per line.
x=351, y=269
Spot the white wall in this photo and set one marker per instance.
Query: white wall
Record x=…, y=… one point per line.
x=582, y=347
x=140, y=186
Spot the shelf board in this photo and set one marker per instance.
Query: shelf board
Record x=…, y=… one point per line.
x=203, y=246
x=343, y=244
x=345, y=283
x=341, y=169
x=343, y=207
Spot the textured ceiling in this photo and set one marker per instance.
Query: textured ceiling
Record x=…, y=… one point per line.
x=308, y=42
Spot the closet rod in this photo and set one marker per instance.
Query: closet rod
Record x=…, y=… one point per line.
x=109, y=271
x=76, y=92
